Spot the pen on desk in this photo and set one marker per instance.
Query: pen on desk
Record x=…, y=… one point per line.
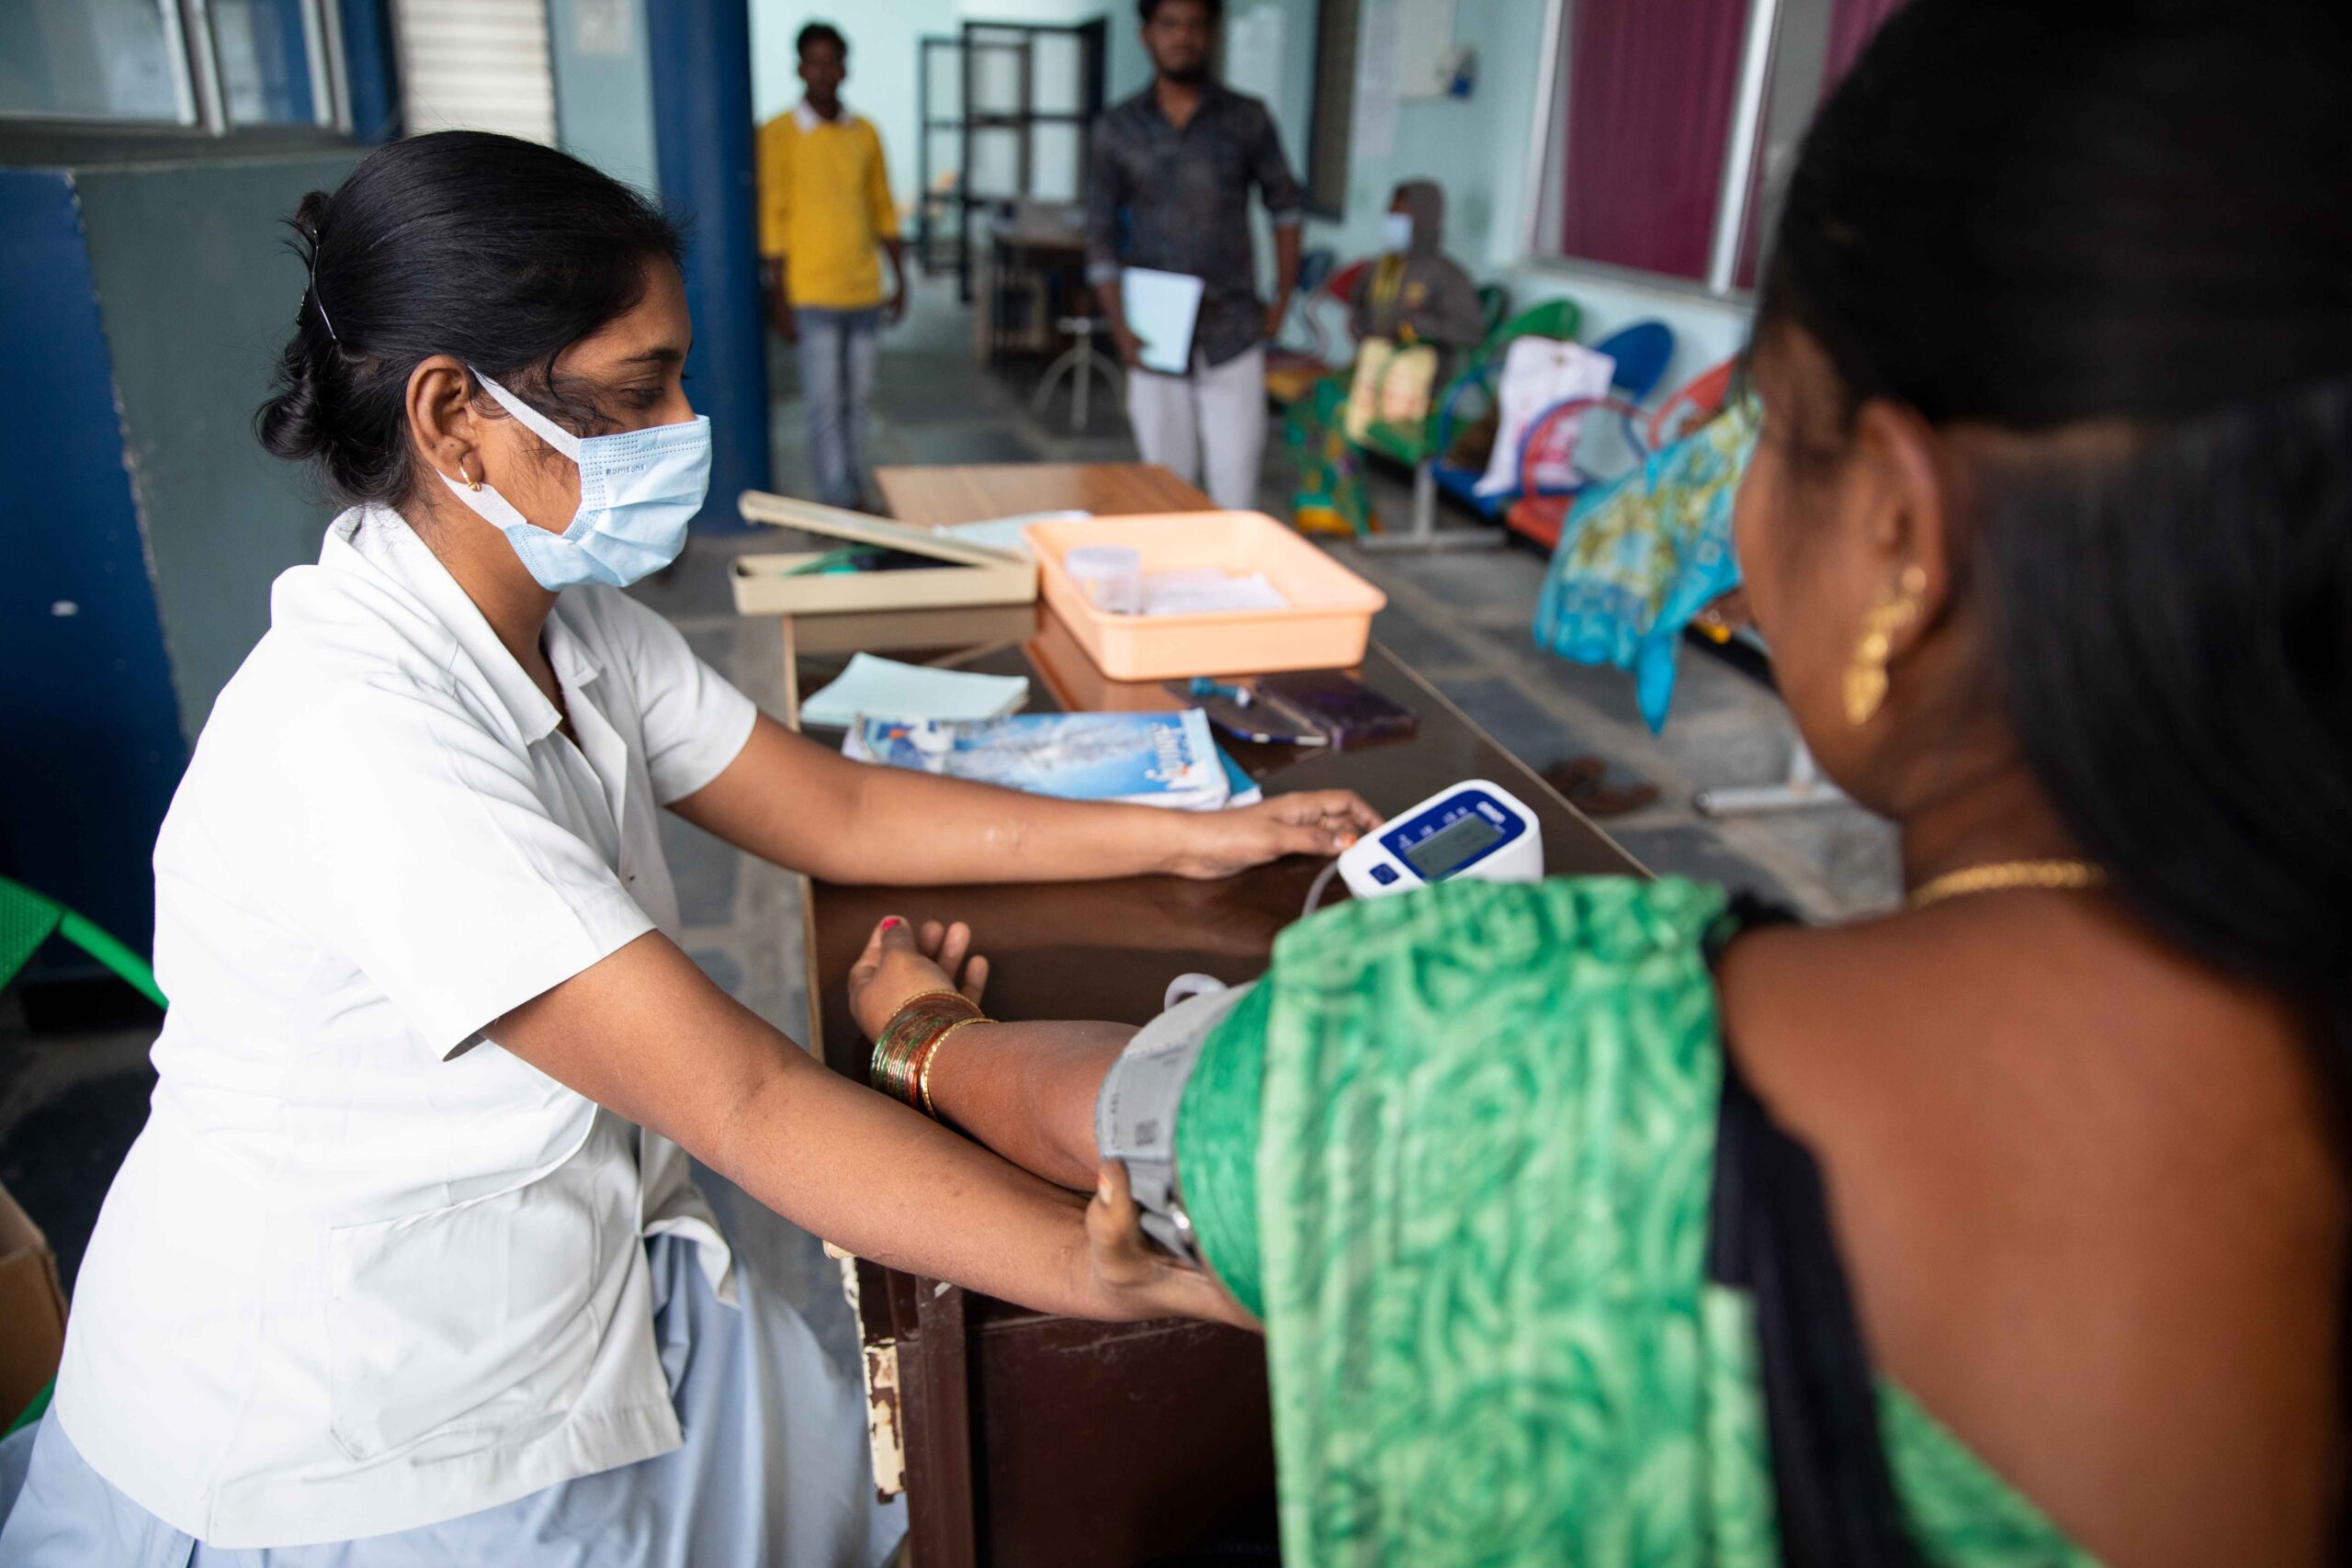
x=1201, y=686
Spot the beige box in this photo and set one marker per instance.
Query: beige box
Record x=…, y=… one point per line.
x=968, y=573
x=1325, y=623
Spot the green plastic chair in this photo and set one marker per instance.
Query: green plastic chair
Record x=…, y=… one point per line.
x=1494, y=303
x=28, y=919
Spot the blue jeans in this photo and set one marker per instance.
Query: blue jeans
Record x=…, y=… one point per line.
x=837, y=352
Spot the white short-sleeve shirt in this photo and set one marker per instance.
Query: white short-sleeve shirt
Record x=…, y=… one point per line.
x=364, y=1271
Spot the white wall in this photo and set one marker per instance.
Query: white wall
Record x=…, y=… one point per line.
x=883, y=35
x=604, y=87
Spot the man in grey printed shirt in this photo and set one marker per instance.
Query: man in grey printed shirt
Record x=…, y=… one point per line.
x=1169, y=189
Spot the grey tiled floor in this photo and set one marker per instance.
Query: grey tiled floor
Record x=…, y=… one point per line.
x=71, y=1100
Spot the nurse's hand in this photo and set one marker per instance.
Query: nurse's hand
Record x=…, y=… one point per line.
x=1137, y=1277
x=902, y=963
x=1312, y=822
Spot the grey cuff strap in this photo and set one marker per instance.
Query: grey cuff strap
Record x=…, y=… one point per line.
x=1135, y=1113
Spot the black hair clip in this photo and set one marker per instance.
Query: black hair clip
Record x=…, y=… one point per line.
x=321, y=304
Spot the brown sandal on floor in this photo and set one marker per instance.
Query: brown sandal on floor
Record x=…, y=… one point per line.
x=1581, y=781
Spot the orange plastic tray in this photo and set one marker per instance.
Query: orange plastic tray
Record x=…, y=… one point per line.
x=1325, y=627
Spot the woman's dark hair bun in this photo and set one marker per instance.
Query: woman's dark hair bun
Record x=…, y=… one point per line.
x=288, y=424
x=499, y=252
x=310, y=216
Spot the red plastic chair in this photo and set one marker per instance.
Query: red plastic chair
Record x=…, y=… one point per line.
x=1541, y=517
x=1540, y=509
x=1693, y=405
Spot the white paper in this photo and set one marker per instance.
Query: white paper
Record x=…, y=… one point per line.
x=1208, y=592
x=1375, y=133
x=1538, y=373
x=884, y=688
x=1424, y=48
x=1160, y=308
x=1007, y=533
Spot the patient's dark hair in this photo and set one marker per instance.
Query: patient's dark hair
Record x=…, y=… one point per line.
x=2135, y=215
x=500, y=252
x=820, y=32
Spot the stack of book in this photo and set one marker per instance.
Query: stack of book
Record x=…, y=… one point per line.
x=1145, y=759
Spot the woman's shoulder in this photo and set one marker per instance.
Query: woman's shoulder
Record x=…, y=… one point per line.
x=2031, y=1112
x=355, y=616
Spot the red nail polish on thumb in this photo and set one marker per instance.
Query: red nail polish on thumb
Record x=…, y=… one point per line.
x=891, y=924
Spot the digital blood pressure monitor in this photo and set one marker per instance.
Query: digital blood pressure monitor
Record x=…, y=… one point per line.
x=1473, y=829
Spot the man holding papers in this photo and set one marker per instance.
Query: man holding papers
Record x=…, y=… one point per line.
x=1168, y=253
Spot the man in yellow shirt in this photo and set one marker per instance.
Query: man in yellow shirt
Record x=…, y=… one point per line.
x=825, y=216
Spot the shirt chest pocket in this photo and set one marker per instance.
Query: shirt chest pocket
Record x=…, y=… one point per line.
x=485, y=1317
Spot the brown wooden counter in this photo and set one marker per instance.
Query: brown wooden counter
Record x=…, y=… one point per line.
x=1028, y=1439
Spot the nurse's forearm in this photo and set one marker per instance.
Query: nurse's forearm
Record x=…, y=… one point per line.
x=1027, y=1090
x=918, y=830
x=806, y=806
x=644, y=1033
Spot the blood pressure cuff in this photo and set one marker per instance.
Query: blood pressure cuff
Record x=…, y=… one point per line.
x=1135, y=1113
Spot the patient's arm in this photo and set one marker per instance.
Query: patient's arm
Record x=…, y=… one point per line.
x=1027, y=1091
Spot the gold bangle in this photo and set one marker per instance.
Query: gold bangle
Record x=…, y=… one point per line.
x=898, y=1040
x=942, y=991
x=906, y=1042
x=931, y=1059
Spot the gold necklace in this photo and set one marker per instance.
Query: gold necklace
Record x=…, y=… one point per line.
x=2051, y=876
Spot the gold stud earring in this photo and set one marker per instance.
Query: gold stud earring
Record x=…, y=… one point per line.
x=1866, y=678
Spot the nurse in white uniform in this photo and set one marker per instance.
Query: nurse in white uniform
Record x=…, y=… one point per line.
x=406, y=1266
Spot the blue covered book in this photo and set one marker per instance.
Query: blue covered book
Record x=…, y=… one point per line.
x=1149, y=758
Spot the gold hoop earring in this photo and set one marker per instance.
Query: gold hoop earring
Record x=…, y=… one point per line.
x=1866, y=679
x=471, y=482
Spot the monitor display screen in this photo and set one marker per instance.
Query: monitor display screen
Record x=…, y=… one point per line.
x=1453, y=846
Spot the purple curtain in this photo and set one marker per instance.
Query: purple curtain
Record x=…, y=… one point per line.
x=1650, y=90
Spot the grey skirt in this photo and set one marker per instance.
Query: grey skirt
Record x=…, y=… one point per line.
x=773, y=1471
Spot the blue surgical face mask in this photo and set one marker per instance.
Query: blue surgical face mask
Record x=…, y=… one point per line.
x=638, y=489
x=1396, y=232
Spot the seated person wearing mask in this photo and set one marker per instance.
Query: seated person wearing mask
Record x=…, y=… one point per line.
x=1414, y=314
x=1415, y=292
x=1599, y=1221
x=407, y=1266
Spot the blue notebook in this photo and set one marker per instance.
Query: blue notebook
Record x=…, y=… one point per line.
x=1149, y=758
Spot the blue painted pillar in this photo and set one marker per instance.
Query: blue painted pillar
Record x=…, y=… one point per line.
x=701, y=52
x=367, y=69
x=90, y=743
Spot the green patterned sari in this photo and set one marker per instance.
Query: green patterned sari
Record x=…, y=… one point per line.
x=1456, y=1151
